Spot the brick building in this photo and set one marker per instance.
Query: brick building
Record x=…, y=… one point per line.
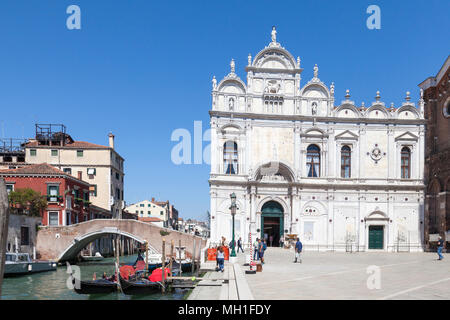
x=67, y=196
x=435, y=92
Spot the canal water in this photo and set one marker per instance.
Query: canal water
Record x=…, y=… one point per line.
x=53, y=285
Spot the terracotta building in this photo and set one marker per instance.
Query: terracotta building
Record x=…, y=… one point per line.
x=436, y=95
x=67, y=196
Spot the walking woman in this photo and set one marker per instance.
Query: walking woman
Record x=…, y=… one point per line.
x=220, y=259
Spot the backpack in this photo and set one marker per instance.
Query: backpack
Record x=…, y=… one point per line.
x=264, y=247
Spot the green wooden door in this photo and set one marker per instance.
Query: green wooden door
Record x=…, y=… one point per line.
x=376, y=237
x=272, y=209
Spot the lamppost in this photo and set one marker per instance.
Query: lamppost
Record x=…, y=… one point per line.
x=233, y=213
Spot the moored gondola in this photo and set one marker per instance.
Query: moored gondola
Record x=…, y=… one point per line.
x=139, y=286
x=101, y=286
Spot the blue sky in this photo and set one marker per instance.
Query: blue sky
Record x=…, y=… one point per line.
x=142, y=69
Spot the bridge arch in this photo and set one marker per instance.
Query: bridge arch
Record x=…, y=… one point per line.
x=79, y=243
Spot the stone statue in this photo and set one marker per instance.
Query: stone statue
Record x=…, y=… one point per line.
x=298, y=62
x=274, y=34
x=421, y=93
x=214, y=83
x=232, y=65
x=332, y=89
x=316, y=71
x=314, y=108
x=231, y=104
x=249, y=59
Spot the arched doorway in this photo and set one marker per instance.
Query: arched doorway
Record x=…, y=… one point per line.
x=272, y=222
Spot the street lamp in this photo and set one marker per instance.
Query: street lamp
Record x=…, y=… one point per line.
x=233, y=213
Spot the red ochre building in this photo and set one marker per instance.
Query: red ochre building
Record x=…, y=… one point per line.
x=67, y=196
x=436, y=95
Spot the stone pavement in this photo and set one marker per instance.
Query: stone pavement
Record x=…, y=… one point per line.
x=335, y=275
x=227, y=285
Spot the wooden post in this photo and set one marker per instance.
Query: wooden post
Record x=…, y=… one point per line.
x=171, y=257
x=179, y=254
x=193, y=258
x=163, y=265
x=4, y=222
x=146, y=257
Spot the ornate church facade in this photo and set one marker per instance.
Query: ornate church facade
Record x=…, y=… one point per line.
x=300, y=165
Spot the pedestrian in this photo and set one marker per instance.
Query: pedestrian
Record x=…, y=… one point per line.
x=266, y=237
x=217, y=258
x=281, y=242
x=271, y=239
x=261, y=248
x=298, y=250
x=240, y=245
x=255, y=250
x=220, y=259
x=440, y=247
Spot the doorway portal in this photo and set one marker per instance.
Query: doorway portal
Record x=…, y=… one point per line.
x=272, y=222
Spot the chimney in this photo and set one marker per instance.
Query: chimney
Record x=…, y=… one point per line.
x=153, y=199
x=111, y=140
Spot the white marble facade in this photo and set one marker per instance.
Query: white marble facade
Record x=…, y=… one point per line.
x=261, y=132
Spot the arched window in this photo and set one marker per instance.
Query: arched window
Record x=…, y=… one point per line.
x=406, y=163
x=313, y=161
x=346, y=162
x=230, y=157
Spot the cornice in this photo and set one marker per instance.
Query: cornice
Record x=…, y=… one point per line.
x=255, y=116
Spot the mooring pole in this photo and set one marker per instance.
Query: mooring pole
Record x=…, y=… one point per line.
x=171, y=257
x=179, y=250
x=163, y=265
x=146, y=257
x=193, y=258
x=4, y=221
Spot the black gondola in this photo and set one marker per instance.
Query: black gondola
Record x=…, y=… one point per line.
x=139, y=286
x=94, y=286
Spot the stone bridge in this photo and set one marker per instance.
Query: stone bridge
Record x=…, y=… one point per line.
x=65, y=242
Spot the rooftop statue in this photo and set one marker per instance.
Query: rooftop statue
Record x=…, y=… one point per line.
x=274, y=34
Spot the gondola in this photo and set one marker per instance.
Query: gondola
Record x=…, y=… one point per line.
x=139, y=286
x=94, y=286
x=185, y=267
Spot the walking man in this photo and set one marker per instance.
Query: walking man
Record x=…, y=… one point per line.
x=240, y=245
x=298, y=250
x=255, y=250
x=271, y=240
x=440, y=247
x=220, y=259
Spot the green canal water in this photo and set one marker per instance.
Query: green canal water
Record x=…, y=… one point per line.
x=53, y=285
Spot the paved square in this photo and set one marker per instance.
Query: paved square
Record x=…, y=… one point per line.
x=336, y=275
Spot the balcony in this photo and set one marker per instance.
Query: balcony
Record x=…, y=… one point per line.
x=53, y=198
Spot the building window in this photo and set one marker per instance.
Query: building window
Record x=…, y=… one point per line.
x=52, y=193
x=24, y=236
x=162, y=213
x=91, y=171
x=142, y=205
x=346, y=162
x=54, y=153
x=79, y=153
x=68, y=170
x=33, y=152
x=149, y=213
x=230, y=157
x=93, y=190
x=118, y=194
x=9, y=188
x=53, y=219
x=313, y=161
x=117, y=176
x=406, y=163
